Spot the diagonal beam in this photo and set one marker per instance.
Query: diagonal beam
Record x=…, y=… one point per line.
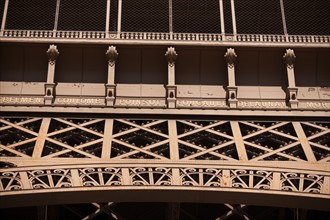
x=304, y=142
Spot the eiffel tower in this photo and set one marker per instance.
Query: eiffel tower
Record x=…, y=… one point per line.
x=164, y=109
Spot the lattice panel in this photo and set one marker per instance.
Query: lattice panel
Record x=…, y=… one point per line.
x=206, y=140
x=18, y=136
x=199, y=140
x=318, y=135
x=271, y=141
x=31, y=14
x=307, y=17
x=76, y=138
x=145, y=16
x=196, y=16
x=140, y=139
x=82, y=15
x=258, y=17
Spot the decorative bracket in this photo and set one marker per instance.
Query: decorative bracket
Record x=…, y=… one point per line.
x=49, y=93
x=171, y=96
x=110, y=94
x=292, y=97
x=232, y=96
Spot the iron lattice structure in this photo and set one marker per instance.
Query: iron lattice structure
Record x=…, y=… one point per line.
x=173, y=156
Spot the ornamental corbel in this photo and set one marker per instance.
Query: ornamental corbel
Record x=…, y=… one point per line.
x=52, y=54
x=289, y=58
x=230, y=57
x=171, y=56
x=112, y=55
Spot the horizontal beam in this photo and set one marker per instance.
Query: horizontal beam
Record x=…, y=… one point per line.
x=109, y=112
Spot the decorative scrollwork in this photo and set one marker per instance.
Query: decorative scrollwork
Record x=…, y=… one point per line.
x=10, y=181
x=201, y=177
x=151, y=176
x=260, y=179
x=57, y=178
x=309, y=183
x=107, y=176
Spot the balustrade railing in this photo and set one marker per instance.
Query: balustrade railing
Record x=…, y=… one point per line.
x=157, y=36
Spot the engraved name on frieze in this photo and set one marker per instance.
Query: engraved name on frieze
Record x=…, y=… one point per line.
x=318, y=105
x=79, y=101
x=20, y=100
x=261, y=104
x=139, y=102
x=199, y=103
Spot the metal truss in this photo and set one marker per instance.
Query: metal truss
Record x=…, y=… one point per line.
x=40, y=155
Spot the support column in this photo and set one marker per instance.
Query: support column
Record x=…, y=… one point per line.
x=110, y=87
x=4, y=17
x=230, y=57
x=58, y=2
x=283, y=18
x=52, y=54
x=107, y=21
x=232, y=4
x=171, y=56
x=170, y=13
x=292, y=90
x=119, y=18
x=222, y=20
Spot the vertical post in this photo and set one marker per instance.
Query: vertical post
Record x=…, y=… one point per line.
x=107, y=138
x=173, y=136
x=222, y=20
x=119, y=18
x=171, y=56
x=52, y=54
x=110, y=87
x=232, y=4
x=170, y=13
x=283, y=18
x=240, y=147
x=276, y=183
x=230, y=57
x=57, y=12
x=304, y=142
x=126, y=179
x=4, y=17
x=107, y=21
x=75, y=178
x=292, y=90
x=325, y=189
x=37, y=151
x=25, y=180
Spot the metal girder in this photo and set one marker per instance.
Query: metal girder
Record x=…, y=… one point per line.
x=72, y=155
